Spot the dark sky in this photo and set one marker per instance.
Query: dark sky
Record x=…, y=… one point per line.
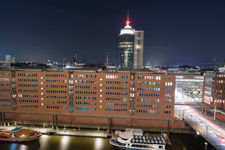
x=176, y=31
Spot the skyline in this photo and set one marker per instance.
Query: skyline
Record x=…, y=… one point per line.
x=174, y=30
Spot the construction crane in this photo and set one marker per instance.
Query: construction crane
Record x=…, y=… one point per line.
x=63, y=60
x=214, y=64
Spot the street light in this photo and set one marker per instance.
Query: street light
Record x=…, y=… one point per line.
x=215, y=113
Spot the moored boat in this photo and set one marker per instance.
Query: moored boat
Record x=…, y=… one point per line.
x=130, y=141
x=18, y=135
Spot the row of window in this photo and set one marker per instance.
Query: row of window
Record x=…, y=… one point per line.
x=4, y=74
x=85, y=76
x=220, y=86
x=27, y=74
x=5, y=90
x=148, y=106
x=53, y=96
x=150, y=94
x=27, y=80
x=85, y=87
x=148, y=83
x=28, y=101
x=167, y=106
x=115, y=93
x=5, y=94
x=115, y=104
x=4, y=79
x=57, y=81
x=29, y=95
x=167, y=112
x=148, y=100
x=86, y=108
x=219, y=101
x=115, y=99
x=86, y=103
x=28, y=106
x=85, y=92
x=5, y=105
x=56, y=75
x=115, y=77
x=55, y=91
x=116, y=82
x=115, y=88
x=168, y=95
x=86, y=81
x=169, y=78
x=27, y=85
x=149, y=77
x=56, y=102
x=56, y=86
x=168, y=89
x=5, y=100
x=25, y=90
x=148, y=111
x=116, y=109
x=168, y=83
x=4, y=84
x=148, y=89
x=85, y=97
x=168, y=101
x=56, y=107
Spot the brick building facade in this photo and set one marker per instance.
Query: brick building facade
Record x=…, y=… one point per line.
x=85, y=96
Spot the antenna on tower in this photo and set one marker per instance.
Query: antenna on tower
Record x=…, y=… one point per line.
x=128, y=19
x=127, y=14
x=107, y=59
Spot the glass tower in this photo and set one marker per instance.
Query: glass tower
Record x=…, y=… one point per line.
x=130, y=48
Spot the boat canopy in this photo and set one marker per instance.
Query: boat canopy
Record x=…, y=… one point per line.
x=126, y=135
x=17, y=129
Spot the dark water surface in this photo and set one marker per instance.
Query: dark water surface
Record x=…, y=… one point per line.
x=47, y=142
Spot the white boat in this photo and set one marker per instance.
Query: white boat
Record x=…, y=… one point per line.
x=130, y=141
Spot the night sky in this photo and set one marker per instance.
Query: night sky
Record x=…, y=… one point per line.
x=176, y=31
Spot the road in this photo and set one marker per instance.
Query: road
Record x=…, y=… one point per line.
x=213, y=133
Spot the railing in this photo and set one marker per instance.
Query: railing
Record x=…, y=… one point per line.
x=188, y=103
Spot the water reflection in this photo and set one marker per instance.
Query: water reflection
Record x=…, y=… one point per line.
x=98, y=143
x=65, y=142
x=13, y=146
x=23, y=147
x=46, y=142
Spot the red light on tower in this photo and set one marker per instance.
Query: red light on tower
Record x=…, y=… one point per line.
x=128, y=22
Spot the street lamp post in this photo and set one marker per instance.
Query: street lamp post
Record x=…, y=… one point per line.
x=215, y=113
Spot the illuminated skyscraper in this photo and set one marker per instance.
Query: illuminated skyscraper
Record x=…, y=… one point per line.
x=130, y=47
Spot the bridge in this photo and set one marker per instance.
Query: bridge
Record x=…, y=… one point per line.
x=189, y=103
x=211, y=131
